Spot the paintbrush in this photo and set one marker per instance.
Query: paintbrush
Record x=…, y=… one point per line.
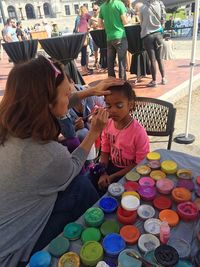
x=138, y=257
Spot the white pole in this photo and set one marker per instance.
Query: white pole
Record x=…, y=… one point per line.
x=192, y=63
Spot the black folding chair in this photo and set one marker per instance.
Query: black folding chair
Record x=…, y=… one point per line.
x=157, y=117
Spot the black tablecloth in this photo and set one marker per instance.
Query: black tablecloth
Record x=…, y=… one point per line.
x=66, y=49
x=99, y=37
x=21, y=51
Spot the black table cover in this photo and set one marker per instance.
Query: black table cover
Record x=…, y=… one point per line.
x=99, y=37
x=65, y=49
x=21, y=51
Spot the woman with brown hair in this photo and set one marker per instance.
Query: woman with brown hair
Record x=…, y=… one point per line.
x=40, y=189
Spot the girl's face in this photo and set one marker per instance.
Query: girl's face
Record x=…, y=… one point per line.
x=118, y=106
x=60, y=108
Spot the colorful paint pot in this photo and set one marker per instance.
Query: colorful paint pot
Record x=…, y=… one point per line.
x=124, y=260
x=157, y=175
x=169, y=166
x=169, y=216
x=109, y=227
x=166, y=255
x=153, y=156
x=146, y=181
x=113, y=244
x=146, y=212
x=69, y=259
x=108, y=204
x=198, y=180
x=152, y=226
x=130, y=203
x=147, y=193
x=115, y=189
x=162, y=203
x=102, y=264
x=73, y=231
x=94, y=217
x=41, y=259
x=197, y=202
x=131, y=193
x=126, y=217
x=188, y=211
x=91, y=234
x=143, y=169
x=58, y=246
x=132, y=176
x=184, y=174
x=130, y=234
x=165, y=186
x=131, y=186
x=197, y=191
x=154, y=164
x=148, y=242
x=91, y=253
x=181, y=194
x=184, y=263
x=182, y=247
x=188, y=184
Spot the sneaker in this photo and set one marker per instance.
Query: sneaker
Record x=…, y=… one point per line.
x=164, y=81
x=152, y=84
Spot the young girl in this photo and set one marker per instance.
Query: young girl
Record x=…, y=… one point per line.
x=124, y=141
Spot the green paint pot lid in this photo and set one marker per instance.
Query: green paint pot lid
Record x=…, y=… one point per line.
x=109, y=227
x=90, y=234
x=58, y=246
x=94, y=216
x=91, y=253
x=73, y=231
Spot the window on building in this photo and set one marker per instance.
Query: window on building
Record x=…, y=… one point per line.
x=12, y=12
x=76, y=8
x=47, y=9
x=67, y=10
x=30, y=13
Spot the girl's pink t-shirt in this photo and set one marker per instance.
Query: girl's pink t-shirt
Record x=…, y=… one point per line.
x=83, y=24
x=127, y=146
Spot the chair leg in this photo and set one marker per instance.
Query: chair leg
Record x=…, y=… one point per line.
x=169, y=142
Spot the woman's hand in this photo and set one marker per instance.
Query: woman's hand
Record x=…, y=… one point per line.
x=104, y=181
x=79, y=123
x=99, y=121
x=101, y=88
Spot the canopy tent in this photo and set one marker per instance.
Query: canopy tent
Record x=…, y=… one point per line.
x=172, y=3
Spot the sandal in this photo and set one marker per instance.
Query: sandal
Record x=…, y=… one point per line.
x=152, y=84
x=164, y=81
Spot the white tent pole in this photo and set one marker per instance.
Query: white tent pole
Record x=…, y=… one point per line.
x=192, y=63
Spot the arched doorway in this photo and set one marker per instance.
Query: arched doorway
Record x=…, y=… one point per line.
x=30, y=13
x=12, y=12
x=47, y=9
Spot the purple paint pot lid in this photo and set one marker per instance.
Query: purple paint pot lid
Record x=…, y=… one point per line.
x=147, y=192
x=188, y=184
x=146, y=181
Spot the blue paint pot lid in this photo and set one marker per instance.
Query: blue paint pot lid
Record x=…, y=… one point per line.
x=113, y=244
x=40, y=259
x=108, y=204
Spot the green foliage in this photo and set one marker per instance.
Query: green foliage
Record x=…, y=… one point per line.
x=176, y=13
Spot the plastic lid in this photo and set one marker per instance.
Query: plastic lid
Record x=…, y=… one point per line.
x=169, y=216
x=157, y=175
x=188, y=184
x=127, y=261
x=130, y=234
x=131, y=193
x=40, y=259
x=113, y=244
x=181, y=194
x=152, y=226
x=108, y=204
x=146, y=181
x=143, y=169
x=154, y=164
x=126, y=217
x=91, y=234
x=131, y=186
x=58, y=246
x=148, y=242
x=147, y=193
x=91, y=253
x=161, y=203
x=109, y=227
x=182, y=247
x=153, y=156
x=130, y=202
x=146, y=211
x=166, y=255
x=169, y=166
x=94, y=216
x=188, y=211
x=132, y=176
x=165, y=185
x=184, y=174
x=69, y=259
x=115, y=189
x=73, y=231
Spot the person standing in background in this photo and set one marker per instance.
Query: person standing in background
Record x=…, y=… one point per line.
x=20, y=33
x=113, y=17
x=151, y=19
x=9, y=31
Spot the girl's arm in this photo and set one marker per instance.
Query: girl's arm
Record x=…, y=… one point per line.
x=104, y=158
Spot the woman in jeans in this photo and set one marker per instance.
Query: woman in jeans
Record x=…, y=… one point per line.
x=151, y=14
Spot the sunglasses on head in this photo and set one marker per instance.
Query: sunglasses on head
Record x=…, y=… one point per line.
x=56, y=70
